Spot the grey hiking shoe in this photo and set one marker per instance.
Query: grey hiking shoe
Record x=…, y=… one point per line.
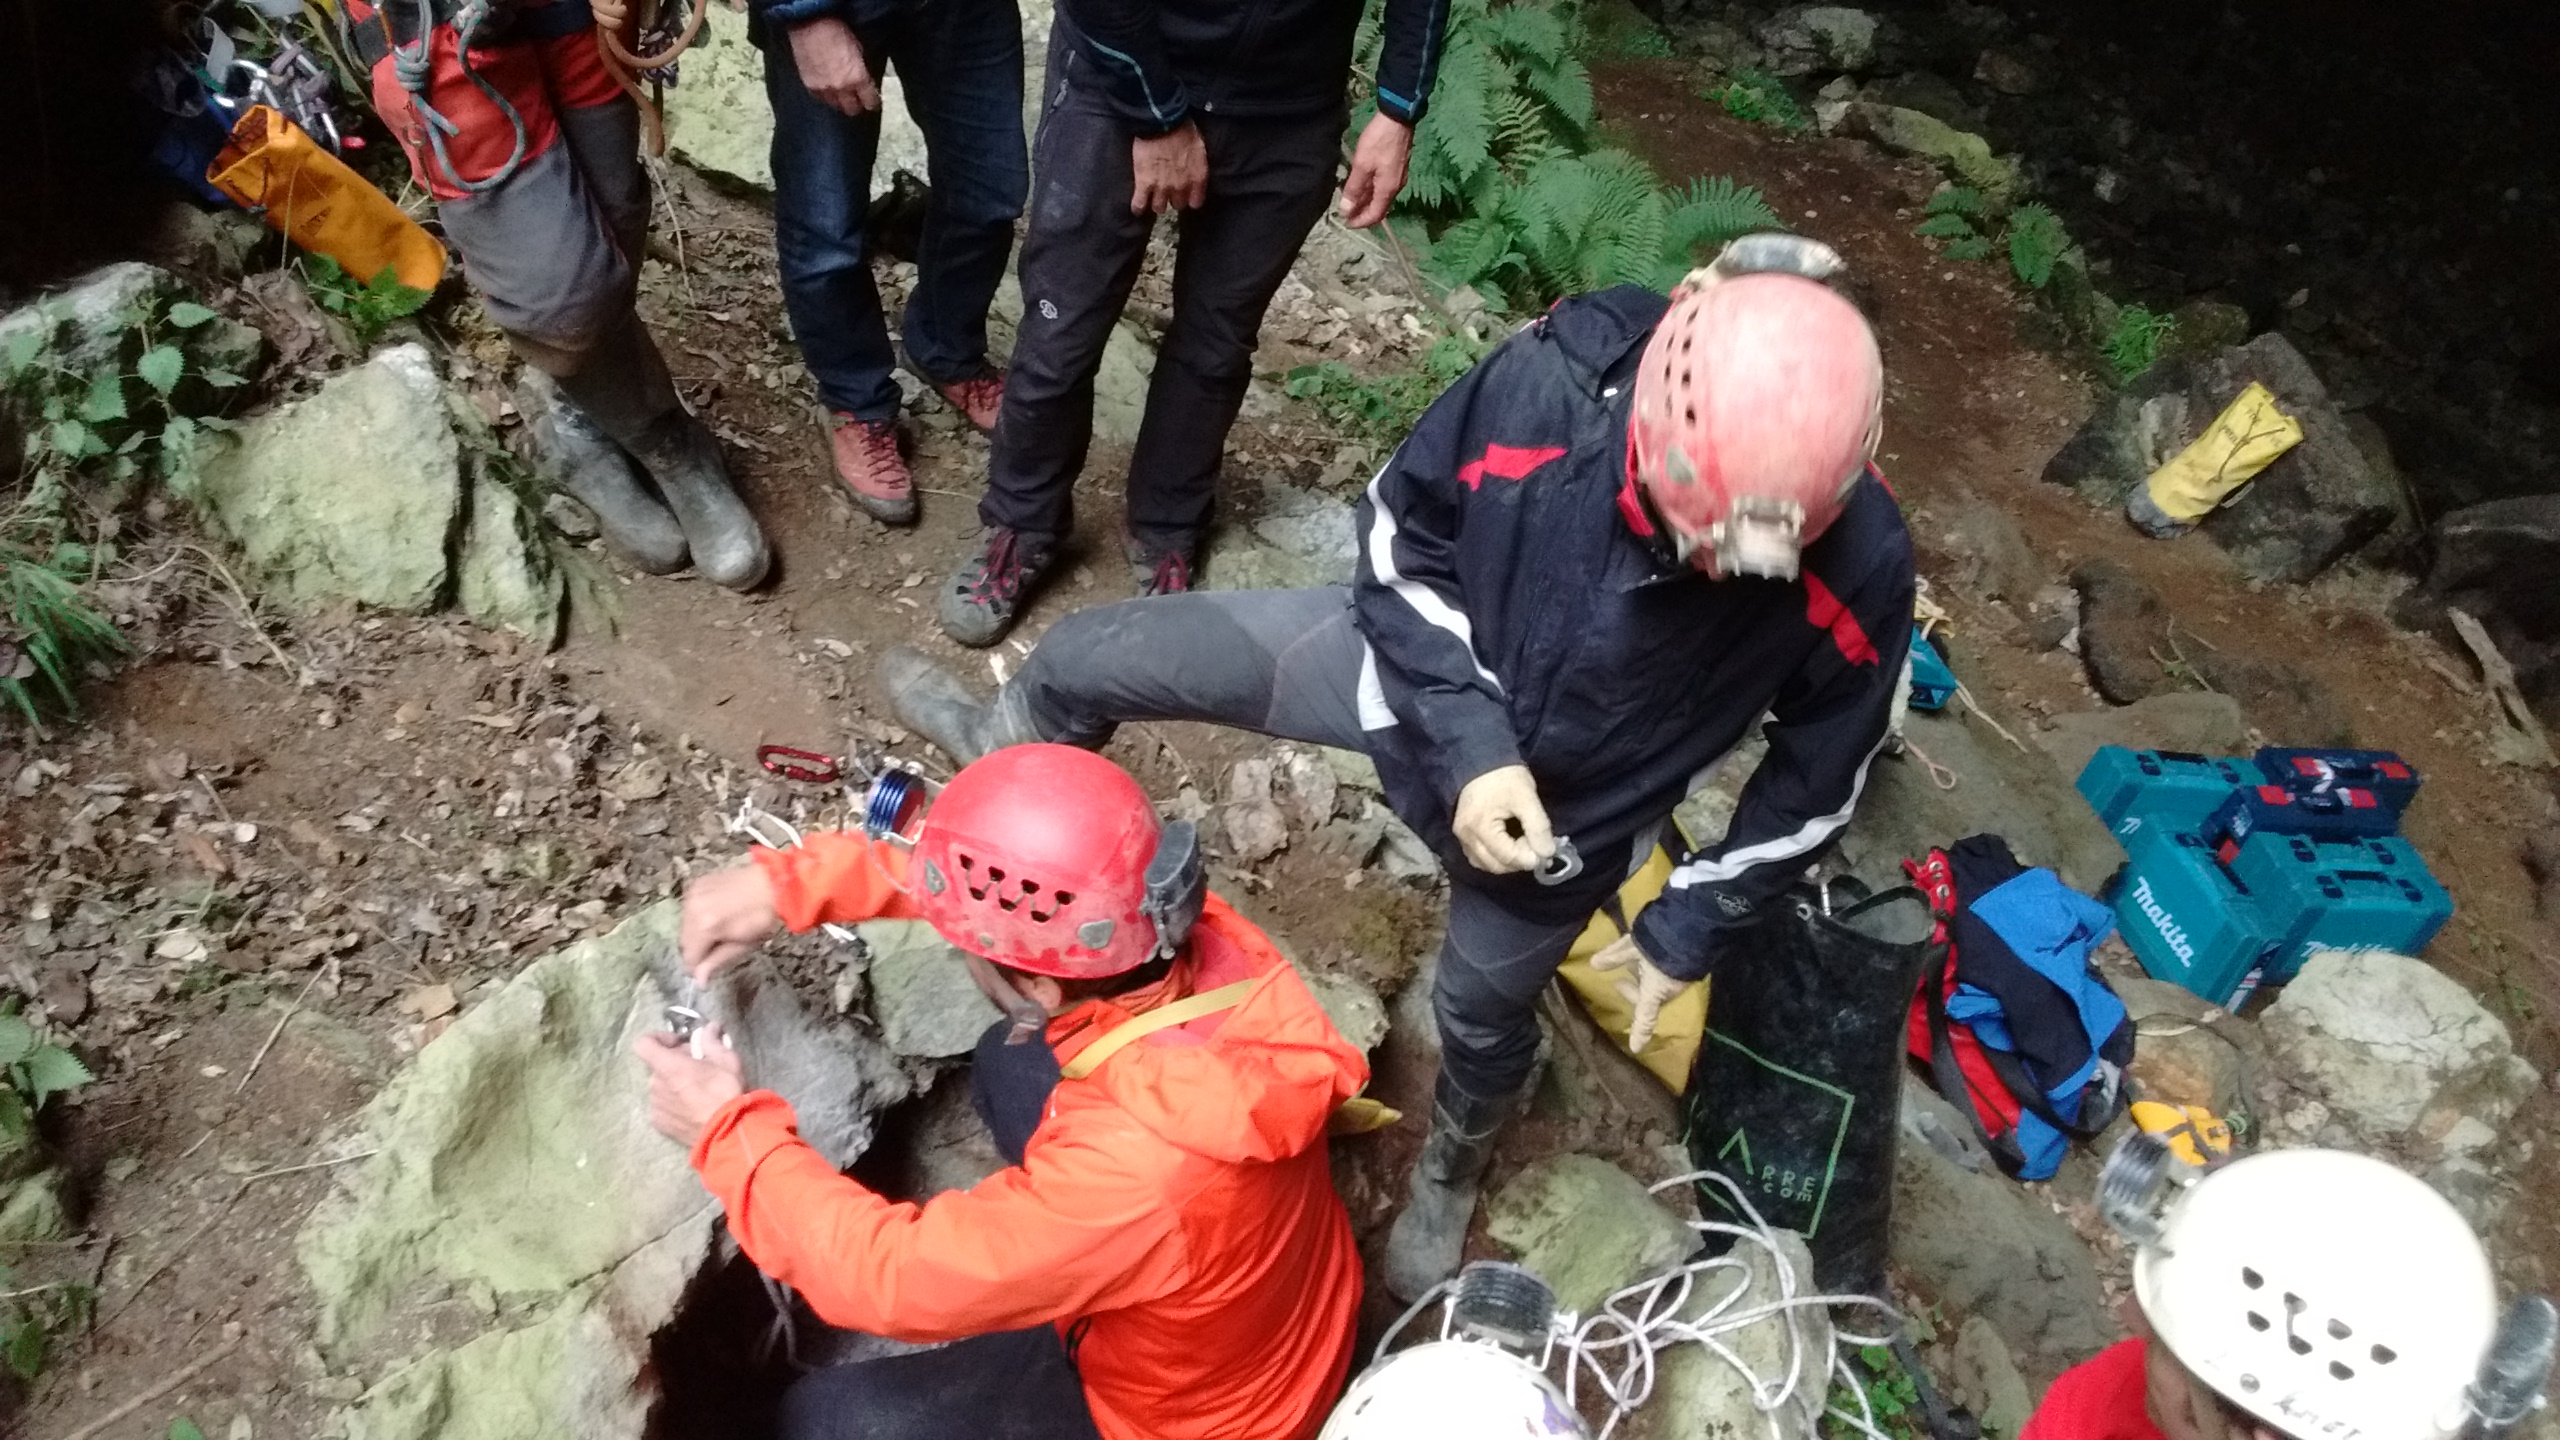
x=684, y=457
x=935, y=704
x=582, y=462
x=979, y=601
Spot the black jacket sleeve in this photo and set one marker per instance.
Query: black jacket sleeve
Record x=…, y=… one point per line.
x=1825, y=728
x=1124, y=41
x=787, y=13
x=1411, y=607
x=1410, y=59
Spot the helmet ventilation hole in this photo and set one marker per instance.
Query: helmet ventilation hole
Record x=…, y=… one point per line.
x=2249, y=1383
x=2259, y=1322
x=2338, y=1330
x=2384, y=1354
x=2252, y=1278
x=2339, y=1371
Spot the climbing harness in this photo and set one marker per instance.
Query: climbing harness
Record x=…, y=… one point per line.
x=413, y=64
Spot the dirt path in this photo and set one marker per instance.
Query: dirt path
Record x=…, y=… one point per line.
x=436, y=806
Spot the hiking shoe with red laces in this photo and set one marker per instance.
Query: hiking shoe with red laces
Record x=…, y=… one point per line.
x=979, y=601
x=873, y=472
x=1167, y=574
x=977, y=398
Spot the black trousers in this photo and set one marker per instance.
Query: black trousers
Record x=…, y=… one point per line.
x=1269, y=181
x=1012, y=1385
x=1288, y=663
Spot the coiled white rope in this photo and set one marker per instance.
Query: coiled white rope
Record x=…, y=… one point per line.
x=1618, y=1343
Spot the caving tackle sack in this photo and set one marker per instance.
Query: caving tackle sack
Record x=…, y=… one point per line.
x=2248, y=436
x=284, y=177
x=2015, y=1027
x=1674, y=1046
x=1797, y=1091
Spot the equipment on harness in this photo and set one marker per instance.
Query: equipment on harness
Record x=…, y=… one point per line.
x=1758, y=403
x=2256, y=1276
x=1485, y=1375
x=410, y=26
x=1050, y=859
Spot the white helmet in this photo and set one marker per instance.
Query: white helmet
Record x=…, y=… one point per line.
x=1453, y=1390
x=2325, y=1293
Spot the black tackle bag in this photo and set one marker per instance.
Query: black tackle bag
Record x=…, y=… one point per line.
x=1797, y=1090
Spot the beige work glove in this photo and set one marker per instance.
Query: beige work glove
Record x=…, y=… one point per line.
x=1645, y=988
x=1490, y=808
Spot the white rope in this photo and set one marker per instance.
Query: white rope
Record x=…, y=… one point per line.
x=1618, y=1344
x=751, y=821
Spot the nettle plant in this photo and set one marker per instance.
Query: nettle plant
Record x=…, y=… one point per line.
x=32, y=1071
x=123, y=417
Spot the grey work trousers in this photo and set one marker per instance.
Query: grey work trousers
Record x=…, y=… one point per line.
x=1287, y=663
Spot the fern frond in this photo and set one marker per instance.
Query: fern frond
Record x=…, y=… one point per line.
x=1956, y=200
x=1469, y=251
x=1713, y=211
x=2036, y=241
x=1945, y=226
x=1531, y=31
x=1972, y=247
x=1566, y=88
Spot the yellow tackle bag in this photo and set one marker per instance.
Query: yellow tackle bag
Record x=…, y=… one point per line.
x=2248, y=436
x=1684, y=1018
x=284, y=177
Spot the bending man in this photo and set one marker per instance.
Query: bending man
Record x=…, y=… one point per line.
x=1165, y=1257
x=1602, y=556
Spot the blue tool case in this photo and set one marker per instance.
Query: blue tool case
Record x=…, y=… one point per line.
x=2189, y=919
x=2391, y=780
x=2170, y=788
x=2367, y=893
x=2328, y=815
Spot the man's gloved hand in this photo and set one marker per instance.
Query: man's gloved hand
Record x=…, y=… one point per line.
x=726, y=914
x=1647, y=989
x=1500, y=824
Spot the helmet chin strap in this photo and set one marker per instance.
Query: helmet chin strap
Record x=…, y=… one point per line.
x=1030, y=1018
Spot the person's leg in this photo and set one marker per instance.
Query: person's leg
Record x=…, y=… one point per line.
x=821, y=194
x=963, y=77
x=1492, y=965
x=1080, y=256
x=1009, y=1087
x=605, y=139
x=1283, y=662
x=1269, y=181
x=1012, y=1385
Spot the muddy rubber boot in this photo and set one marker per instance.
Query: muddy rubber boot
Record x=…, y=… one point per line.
x=684, y=457
x=935, y=704
x=1431, y=1234
x=582, y=462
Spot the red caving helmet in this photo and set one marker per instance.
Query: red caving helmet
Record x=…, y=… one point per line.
x=1758, y=404
x=1050, y=859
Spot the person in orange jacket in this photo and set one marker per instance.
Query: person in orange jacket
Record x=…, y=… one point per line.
x=1166, y=1256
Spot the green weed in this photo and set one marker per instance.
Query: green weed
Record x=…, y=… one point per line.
x=368, y=306
x=32, y=1071
x=2135, y=341
x=1384, y=409
x=1892, y=1398
x=2036, y=241
x=1751, y=95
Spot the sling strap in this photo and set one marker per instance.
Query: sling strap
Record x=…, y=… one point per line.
x=1163, y=1017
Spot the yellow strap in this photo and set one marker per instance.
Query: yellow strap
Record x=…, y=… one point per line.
x=1165, y=1017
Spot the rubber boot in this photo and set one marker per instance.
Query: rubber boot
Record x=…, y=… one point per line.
x=1431, y=1234
x=582, y=462
x=935, y=704
x=622, y=384
x=684, y=457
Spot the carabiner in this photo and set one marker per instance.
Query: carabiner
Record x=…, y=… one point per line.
x=806, y=766
x=1562, y=865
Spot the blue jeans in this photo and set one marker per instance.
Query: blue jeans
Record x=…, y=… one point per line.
x=960, y=62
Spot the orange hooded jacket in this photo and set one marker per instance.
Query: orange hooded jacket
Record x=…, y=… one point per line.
x=1174, y=1214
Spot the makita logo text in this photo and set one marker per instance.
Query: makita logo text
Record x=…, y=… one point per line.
x=2170, y=930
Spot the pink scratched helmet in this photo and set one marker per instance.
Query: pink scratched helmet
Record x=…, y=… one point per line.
x=1758, y=405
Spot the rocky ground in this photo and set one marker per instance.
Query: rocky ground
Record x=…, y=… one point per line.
x=312, y=828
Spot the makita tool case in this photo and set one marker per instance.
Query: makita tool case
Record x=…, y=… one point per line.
x=2370, y=893
x=2169, y=788
x=2189, y=920
x=2327, y=815
x=2392, y=780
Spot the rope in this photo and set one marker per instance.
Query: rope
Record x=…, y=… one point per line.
x=1617, y=1344
x=626, y=67
x=414, y=63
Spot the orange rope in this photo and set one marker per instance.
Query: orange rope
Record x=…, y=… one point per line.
x=628, y=68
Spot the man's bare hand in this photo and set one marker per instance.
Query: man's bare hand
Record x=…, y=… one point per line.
x=726, y=914
x=610, y=13
x=1172, y=171
x=686, y=1091
x=1377, y=171
x=832, y=66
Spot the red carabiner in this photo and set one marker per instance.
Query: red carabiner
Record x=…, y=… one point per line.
x=806, y=766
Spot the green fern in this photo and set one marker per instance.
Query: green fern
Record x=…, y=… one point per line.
x=1961, y=200
x=1705, y=217
x=2036, y=241
x=1946, y=227
x=1752, y=95
x=1971, y=247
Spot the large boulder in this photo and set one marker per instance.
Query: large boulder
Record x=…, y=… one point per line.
x=382, y=489
x=2393, y=1046
x=921, y=993
x=2495, y=560
x=1701, y=1395
x=1825, y=39
x=2316, y=504
x=2124, y=632
x=1910, y=132
x=2200, y=722
x=1587, y=1228
x=500, y=1264
x=1300, y=538
x=1980, y=1244
x=1998, y=789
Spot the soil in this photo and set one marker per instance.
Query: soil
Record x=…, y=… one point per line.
x=432, y=805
